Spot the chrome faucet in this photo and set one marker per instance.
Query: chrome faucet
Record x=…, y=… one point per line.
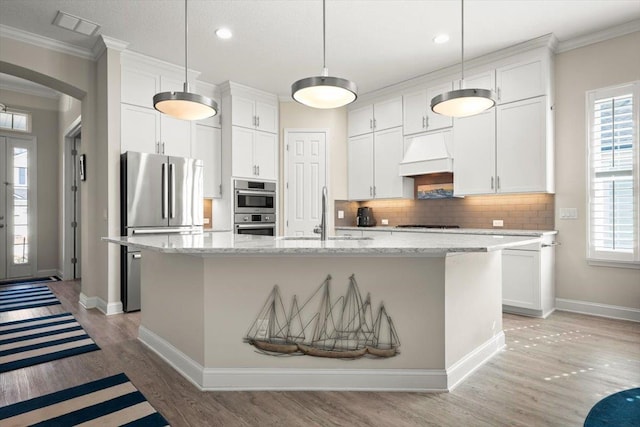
x=322, y=228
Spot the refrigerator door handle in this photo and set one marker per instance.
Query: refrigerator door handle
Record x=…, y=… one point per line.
x=165, y=189
x=172, y=190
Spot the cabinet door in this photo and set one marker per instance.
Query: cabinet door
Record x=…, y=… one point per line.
x=242, y=164
x=521, y=278
x=521, y=146
x=175, y=136
x=388, y=152
x=474, y=142
x=387, y=114
x=265, y=155
x=520, y=81
x=349, y=232
x=207, y=90
x=139, y=87
x=435, y=120
x=414, y=107
x=140, y=129
x=169, y=84
x=243, y=112
x=376, y=233
x=267, y=117
x=206, y=146
x=361, y=120
x=485, y=80
x=360, y=167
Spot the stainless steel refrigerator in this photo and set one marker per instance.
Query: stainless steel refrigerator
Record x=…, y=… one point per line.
x=159, y=195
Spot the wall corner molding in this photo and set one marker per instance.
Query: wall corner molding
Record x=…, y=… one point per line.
x=599, y=36
x=464, y=367
x=45, y=42
x=97, y=302
x=597, y=309
x=105, y=42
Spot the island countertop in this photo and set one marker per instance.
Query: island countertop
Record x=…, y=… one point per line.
x=405, y=244
x=484, y=231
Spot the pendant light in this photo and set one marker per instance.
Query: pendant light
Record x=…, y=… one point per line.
x=324, y=91
x=185, y=105
x=463, y=102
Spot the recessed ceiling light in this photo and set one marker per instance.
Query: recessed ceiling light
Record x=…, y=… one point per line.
x=75, y=23
x=441, y=38
x=223, y=33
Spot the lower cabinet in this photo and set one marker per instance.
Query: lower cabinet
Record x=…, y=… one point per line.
x=528, y=279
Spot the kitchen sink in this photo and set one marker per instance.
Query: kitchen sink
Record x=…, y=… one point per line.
x=328, y=238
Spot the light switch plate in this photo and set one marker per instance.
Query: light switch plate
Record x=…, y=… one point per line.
x=568, y=213
x=385, y=222
x=340, y=214
x=498, y=223
x=206, y=220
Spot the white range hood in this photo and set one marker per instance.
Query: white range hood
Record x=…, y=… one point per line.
x=427, y=153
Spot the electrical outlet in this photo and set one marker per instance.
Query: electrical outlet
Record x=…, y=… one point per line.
x=385, y=222
x=340, y=214
x=206, y=220
x=262, y=325
x=498, y=223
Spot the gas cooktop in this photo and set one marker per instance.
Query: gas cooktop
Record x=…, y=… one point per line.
x=426, y=226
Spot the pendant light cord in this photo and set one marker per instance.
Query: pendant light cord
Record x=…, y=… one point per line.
x=186, y=48
x=462, y=48
x=325, y=72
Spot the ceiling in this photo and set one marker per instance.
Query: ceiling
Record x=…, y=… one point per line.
x=276, y=42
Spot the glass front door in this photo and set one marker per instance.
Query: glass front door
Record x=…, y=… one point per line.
x=18, y=207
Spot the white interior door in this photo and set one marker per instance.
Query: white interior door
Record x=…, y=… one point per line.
x=306, y=175
x=19, y=207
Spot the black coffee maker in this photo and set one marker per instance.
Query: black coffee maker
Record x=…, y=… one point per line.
x=364, y=217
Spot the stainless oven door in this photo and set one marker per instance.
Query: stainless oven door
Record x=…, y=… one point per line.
x=248, y=201
x=264, y=229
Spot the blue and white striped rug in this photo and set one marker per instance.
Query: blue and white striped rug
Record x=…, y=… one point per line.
x=32, y=341
x=19, y=299
x=111, y=401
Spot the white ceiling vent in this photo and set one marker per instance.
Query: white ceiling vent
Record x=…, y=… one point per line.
x=75, y=23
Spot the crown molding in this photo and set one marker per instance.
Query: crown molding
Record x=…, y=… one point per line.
x=233, y=88
x=45, y=42
x=599, y=36
x=135, y=59
x=105, y=42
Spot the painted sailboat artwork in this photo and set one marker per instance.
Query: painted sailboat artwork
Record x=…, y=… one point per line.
x=320, y=327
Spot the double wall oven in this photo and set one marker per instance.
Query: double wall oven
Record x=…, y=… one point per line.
x=254, y=207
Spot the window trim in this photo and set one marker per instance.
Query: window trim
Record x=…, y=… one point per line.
x=606, y=258
x=23, y=112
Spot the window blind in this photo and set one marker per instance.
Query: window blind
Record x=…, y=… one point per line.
x=613, y=174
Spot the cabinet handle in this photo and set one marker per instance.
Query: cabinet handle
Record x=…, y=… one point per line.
x=492, y=183
x=548, y=245
x=427, y=122
x=370, y=190
x=375, y=124
x=374, y=191
x=258, y=168
x=497, y=183
x=370, y=124
x=163, y=148
x=220, y=190
x=158, y=147
x=257, y=121
x=424, y=122
x=499, y=93
x=254, y=169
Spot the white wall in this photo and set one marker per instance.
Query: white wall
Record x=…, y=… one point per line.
x=599, y=65
x=44, y=126
x=294, y=115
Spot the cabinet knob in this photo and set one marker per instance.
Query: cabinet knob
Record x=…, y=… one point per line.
x=424, y=122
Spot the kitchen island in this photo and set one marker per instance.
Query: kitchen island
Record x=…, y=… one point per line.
x=201, y=295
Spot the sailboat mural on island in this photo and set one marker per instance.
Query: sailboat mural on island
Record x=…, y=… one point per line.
x=344, y=329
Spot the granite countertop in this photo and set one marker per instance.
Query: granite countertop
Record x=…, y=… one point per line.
x=407, y=244
x=482, y=231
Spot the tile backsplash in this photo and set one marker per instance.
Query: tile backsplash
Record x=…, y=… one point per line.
x=518, y=211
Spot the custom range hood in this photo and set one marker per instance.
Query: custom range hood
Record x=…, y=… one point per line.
x=427, y=153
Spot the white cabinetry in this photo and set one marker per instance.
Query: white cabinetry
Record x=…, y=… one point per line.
x=522, y=80
x=505, y=150
x=206, y=146
x=418, y=116
x=375, y=117
x=254, y=114
x=254, y=154
x=373, y=165
x=528, y=279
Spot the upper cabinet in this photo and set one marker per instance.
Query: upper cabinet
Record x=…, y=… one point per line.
x=418, y=116
x=522, y=80
x=375, y=117
x=254, y=114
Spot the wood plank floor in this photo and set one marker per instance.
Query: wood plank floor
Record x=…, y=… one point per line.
x=550, y=374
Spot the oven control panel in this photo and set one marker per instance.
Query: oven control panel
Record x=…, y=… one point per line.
x=254, y=218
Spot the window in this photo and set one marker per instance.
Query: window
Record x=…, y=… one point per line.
x=614, y=186
x=14, y=120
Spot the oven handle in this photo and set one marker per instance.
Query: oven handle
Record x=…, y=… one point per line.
x=261, y=225
x=255, y=193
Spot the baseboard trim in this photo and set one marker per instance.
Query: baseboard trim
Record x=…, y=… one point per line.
x=474, y=360
x=47, y=273
x=227, y=379
x=527, y=311
x=597, y=309
x=97, y=302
